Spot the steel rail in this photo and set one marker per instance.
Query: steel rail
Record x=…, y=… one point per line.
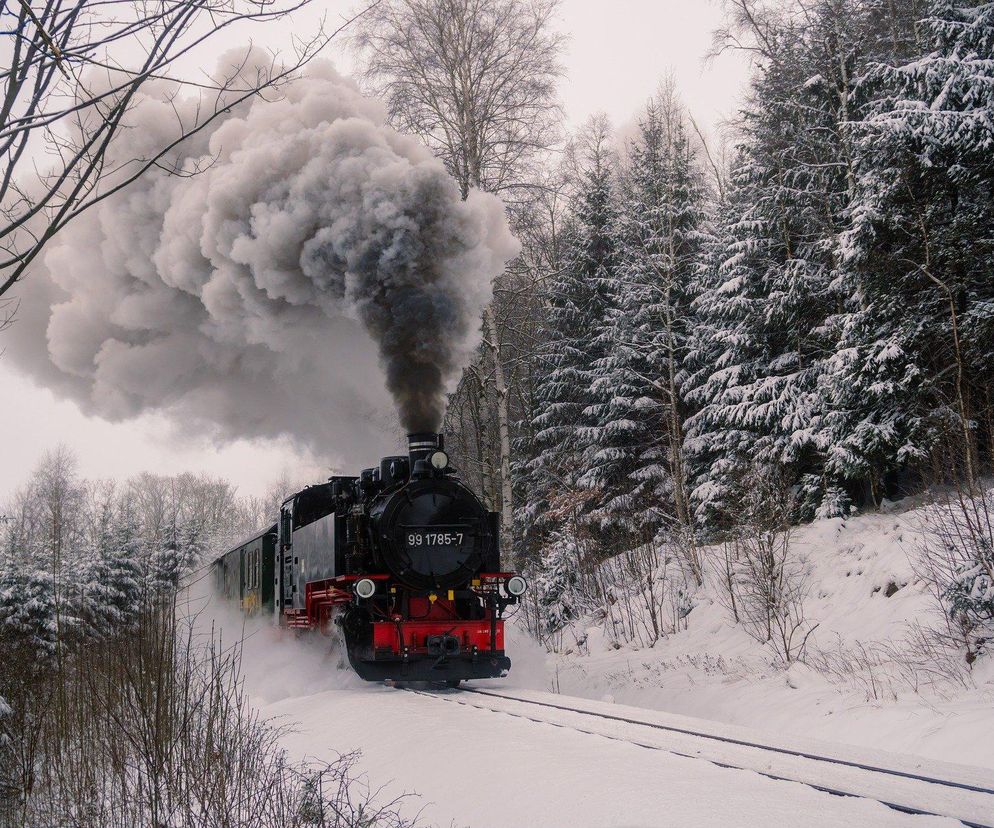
x=951, y=783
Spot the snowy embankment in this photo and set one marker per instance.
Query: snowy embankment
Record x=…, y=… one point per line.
x=866, y=681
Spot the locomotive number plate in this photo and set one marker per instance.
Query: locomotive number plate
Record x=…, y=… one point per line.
x=436, y=536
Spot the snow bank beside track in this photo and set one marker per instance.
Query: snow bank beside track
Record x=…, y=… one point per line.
x=865, y=599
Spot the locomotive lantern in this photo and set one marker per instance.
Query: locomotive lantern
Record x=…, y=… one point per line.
x=404, y=559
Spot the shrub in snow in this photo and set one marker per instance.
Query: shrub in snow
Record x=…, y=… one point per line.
x=558, y=582
x=956, y=559
x=224, y=764
x=971, y=597
x=766, y=581
x=641, y=600
x=834, y=503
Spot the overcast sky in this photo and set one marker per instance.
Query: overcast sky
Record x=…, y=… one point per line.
x=616, y=55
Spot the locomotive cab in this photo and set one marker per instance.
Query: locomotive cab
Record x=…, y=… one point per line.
x=311, y=540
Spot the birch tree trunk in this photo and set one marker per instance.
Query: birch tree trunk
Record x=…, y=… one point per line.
x=503, y=425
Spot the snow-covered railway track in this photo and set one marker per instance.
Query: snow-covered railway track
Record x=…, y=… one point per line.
x=903, y=783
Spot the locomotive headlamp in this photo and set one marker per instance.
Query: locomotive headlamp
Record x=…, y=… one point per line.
x=516, y=586
x=365, y=587
x=440, y=460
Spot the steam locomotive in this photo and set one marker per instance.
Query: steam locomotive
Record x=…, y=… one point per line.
x=403, y=561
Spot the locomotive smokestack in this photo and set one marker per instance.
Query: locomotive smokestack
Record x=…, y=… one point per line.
x=422, y=444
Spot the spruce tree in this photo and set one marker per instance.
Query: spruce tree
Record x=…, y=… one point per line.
x=724, y=354
x=774, y=306
x=557, y=583
x=638, y=463
x=914, y=364
x=578, y=299
x=113, y=583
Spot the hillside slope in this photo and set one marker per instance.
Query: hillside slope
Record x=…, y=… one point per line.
x=865, y=680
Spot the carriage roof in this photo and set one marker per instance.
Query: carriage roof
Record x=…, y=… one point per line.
x=260, y=533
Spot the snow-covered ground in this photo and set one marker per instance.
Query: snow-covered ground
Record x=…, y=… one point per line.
x=482, y=768
x=862, y=688
x=488, y=770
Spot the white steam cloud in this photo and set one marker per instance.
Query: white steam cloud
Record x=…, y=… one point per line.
x=319, y=264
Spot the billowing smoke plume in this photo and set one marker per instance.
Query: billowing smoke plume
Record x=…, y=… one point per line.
x=315, y=258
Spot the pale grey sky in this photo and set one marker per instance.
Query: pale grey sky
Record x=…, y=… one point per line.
x=617, y=53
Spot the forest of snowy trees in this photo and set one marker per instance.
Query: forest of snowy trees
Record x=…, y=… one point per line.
x=806, y=299
x=118, y=705
x=83, y=559
x=799, y=304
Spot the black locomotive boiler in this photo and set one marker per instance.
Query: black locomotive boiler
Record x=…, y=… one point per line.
x=404, y=559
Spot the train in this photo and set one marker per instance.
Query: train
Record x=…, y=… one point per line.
x=401, y=563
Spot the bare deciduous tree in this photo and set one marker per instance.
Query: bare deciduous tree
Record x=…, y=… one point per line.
x=71, y=72
x=475, y=79
x=517, y=313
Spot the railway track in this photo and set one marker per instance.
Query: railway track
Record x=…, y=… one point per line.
x=944, y=790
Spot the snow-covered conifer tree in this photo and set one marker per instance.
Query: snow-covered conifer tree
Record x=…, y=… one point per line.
x=178, y=550
x=638, y=414
x=579, y=297
x=113, y=576
x=771, y=309
x=558, y=598
x=913, y=370
x=725, y=349
x=30, y=610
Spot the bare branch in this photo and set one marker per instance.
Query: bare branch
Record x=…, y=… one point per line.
x=76, y=71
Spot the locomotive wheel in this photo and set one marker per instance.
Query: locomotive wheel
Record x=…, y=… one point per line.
x=453, y=682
